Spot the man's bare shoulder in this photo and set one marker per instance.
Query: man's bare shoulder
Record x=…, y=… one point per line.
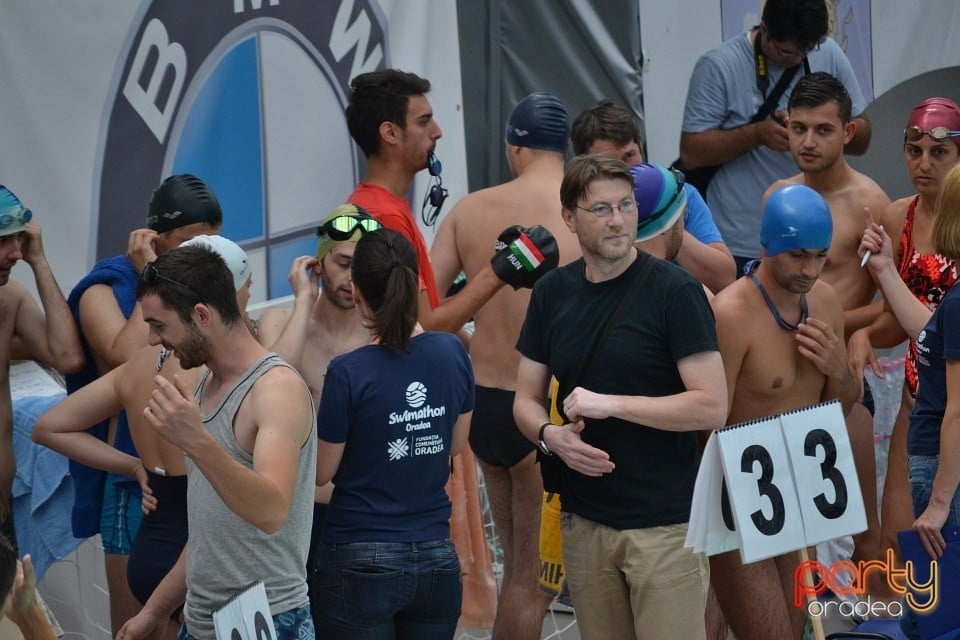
x=281, y=392
x=733, y=297
x=282, y=382
x=871, y=193
x=271, y=322
x=779, y=184
x=735, y=306
x=13, y=293
x=823, y=298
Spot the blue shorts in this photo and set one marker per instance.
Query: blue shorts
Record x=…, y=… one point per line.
x=294, y=624
x=119, y=519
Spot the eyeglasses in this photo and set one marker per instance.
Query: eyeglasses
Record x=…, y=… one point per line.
x=151, y=276
x=791, y=53
x=21, y=217
x=788, y=53
x=342, y=228
x=603, y=210
x=656, y=215
x=937, y=134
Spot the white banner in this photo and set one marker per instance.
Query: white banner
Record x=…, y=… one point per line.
x=102, y=99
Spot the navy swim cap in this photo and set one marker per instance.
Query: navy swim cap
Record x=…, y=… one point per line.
x=181, y=200
x=795, y=217
x=539, y=122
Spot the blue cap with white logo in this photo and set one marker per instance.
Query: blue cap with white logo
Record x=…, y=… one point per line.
x=795, y=217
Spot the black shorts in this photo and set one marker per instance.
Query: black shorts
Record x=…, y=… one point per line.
x=494, y=436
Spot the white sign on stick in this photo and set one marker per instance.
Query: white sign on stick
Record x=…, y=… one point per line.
x=826, y=477
x=756, y=466
x=792, y=483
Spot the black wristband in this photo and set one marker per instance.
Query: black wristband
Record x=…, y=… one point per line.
x=541, y=443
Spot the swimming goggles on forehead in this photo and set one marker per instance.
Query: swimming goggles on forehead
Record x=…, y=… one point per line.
x=19, y=217
x=343, y=227
x=937, y=134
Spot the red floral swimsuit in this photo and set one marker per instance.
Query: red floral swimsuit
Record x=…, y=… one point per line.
x=928, y=277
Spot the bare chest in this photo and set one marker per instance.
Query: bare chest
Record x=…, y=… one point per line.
x=774, y=377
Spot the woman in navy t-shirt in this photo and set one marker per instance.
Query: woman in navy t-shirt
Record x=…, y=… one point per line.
x=391, y=415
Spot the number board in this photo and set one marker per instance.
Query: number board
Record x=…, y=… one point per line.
x=824, y=471
x=718, y=532
x=246, y=617
x=757, y=470
x=776, y=485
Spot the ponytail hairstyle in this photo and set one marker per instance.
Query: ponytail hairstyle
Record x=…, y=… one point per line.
x=385, y=271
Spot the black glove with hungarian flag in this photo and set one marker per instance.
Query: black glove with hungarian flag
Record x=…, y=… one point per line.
x=524, y=254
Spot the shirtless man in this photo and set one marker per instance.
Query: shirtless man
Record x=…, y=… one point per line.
x=463, y=242
x=47, y=333
x=781, y=351
x=318, y=328
x=819, y=126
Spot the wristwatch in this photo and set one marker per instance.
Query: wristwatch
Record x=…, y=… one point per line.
x=541, y=444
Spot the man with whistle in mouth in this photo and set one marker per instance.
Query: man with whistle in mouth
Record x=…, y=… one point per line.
x=391, y=120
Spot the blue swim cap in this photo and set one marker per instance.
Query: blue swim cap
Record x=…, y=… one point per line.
x=13, y=215
x=539, y=121
x=661, y=199
x=795, y=217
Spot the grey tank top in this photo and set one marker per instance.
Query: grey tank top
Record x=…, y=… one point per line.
x=225, y=553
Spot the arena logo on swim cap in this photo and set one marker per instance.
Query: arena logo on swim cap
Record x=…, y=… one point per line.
x=248, y=95
x=844, y=578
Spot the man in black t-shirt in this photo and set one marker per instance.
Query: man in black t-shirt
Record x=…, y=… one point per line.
x=633, y=397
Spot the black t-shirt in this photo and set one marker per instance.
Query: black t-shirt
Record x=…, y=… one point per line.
x=667, y=318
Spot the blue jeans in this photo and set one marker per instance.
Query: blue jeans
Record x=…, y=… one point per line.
x=387, y=590
x=295, y=624
x=921, y=470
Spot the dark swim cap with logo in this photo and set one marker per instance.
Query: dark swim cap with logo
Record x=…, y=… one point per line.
x=181, y=200
x=539, y=121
